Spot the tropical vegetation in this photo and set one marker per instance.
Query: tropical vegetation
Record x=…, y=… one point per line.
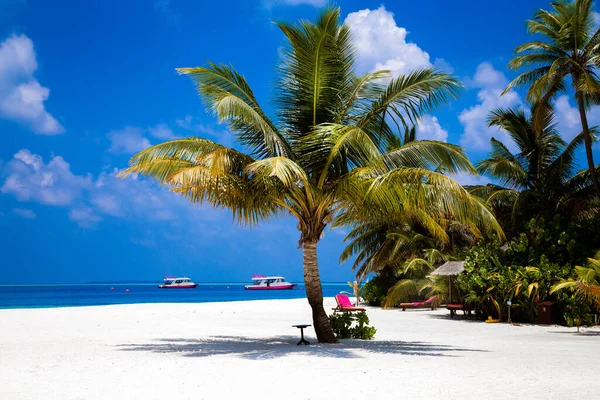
x=567, y=50
x=539, y=178
x=548, y=209
x=341, y=150
x=329, y=155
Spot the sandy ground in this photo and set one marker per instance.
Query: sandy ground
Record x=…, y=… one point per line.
x=248, y=350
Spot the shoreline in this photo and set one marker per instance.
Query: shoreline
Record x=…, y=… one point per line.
x=158, y=303
x=31, y=297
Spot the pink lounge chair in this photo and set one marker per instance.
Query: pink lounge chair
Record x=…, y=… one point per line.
x=429, y=303
x=344, y=304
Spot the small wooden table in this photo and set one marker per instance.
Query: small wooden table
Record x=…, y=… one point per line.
x=302, y=340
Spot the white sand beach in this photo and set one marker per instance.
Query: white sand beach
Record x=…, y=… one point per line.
x=248, y=350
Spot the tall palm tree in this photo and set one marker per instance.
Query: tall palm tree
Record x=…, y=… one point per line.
x=539, y=179
x=324, y=151
x=568, y=48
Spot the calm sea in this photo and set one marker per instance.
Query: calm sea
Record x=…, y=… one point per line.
x=41, y=296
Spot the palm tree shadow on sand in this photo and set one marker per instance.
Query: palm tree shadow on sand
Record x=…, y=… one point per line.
x=281, y=346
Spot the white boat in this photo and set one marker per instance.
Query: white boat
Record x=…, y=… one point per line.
x=172, y=282
x=260, y=282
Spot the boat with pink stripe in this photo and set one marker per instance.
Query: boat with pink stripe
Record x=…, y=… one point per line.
x=261, y=282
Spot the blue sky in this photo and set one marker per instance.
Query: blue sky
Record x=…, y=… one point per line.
x=84, y=85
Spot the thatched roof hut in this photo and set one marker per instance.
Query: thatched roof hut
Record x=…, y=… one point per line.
x=450, y=268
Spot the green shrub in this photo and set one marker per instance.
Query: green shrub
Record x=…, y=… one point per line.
x=577, y=313
x=362, y=330
x=374, y=291
x=341, y=324
x=348, y=325
x=520, y=275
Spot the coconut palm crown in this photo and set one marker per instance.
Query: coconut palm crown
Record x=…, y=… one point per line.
x=568, y=49
x=324, y=150
x=540, y=178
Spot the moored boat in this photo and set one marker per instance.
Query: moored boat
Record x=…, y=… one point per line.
x=260, y=282
x=172, y=282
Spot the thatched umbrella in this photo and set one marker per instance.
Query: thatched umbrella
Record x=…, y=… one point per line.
x=450, y=269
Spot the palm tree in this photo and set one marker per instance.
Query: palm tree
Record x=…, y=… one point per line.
x=325, y=151
x=539, y=179
x=382, y=245
x=569, y=48
x=587, y=284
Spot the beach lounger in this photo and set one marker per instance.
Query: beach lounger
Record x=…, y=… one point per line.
x=466, y=308
x=344, y=304
x=429, y=303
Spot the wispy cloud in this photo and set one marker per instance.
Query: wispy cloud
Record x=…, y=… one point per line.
x=223, y=137
x=128, y=140
x=162, y=131
x=24, y=213
x=90, y=200
x=30, y=179
x=171, y=15
x=85, y=217
x=22, y=97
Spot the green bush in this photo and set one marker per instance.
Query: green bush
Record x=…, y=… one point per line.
x=522, y=275
x=341, y=324
x=344, y=328
x=374, y=291
x=577, y=313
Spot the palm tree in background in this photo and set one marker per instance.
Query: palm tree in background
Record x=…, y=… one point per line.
x=540, y=178
x=324, y=152
x=569, y=48
x=587, y=285
x=382, y=245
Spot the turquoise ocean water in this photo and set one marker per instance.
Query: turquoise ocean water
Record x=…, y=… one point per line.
x=41, y=296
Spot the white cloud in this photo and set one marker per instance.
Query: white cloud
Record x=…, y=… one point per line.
x=185, y=123
x=443, y=65
x=30, y=179
x=429, y=128
x=21, y=95
x=108, y=204
x=24, y=213
x=381, y=44
x=222, y=137
x=143, y=242
x=466, y=179
x=568, y=122
x=162, y=131
x=84, y=217
x=491, y=83
x=128, y=140
x=106, y=197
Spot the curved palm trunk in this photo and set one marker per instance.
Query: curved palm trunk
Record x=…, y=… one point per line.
x=588, y=143
x=314, y=294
